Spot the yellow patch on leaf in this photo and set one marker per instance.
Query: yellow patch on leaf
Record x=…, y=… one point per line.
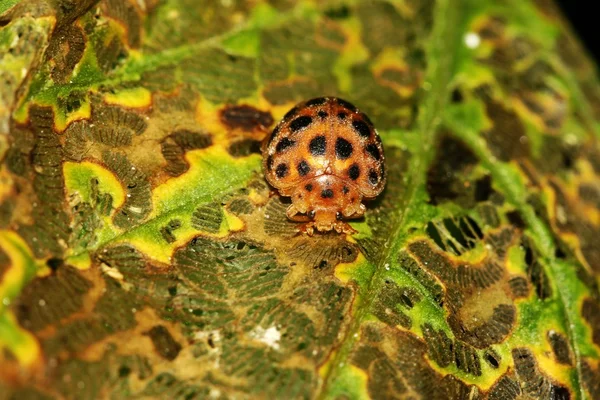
x=131, y=98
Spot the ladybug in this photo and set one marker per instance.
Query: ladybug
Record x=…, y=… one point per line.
x=326, y=155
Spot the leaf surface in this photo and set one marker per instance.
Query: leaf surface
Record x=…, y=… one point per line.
x=143, y=255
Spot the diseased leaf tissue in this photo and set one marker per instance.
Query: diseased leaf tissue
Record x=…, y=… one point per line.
x=143, y=255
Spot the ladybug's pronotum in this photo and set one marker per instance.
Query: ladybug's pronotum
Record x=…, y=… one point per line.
x=328, y=157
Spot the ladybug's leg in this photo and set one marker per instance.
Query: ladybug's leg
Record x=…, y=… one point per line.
x=343, y=227
x=360, y=211
x=294, y=215
x=308, y=228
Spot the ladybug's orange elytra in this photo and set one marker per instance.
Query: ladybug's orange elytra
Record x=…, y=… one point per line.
x=326, y=155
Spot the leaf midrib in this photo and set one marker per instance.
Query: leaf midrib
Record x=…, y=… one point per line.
x=442, y=54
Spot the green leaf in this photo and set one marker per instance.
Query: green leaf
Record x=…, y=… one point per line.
x=143, y=254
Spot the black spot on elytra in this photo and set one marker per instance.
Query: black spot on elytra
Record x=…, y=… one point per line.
x=284, y=144
x=361, y=128
x=317, y=146
x=281, y=170
x=373, y=151
x=373, y=177
x=327, y=194
x=343, y=148
x=354, y=172
x=309, y=187
x=322, y=114
x=290, y=113
x=303, y=168
x=366, y=118
x=345, y=190
x=347, y=105
x=300, y=123
x=342, y=115
x=245, y=117
x=270, y=163
x=275, y=132
x=316, y=101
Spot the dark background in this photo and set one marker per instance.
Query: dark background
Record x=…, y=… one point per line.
x=585, y=22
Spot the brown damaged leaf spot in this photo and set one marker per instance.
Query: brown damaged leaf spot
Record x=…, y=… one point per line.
x=324, y=252
x=241, y=206
x=445, y=177
x=50, y=232
x=424, y=277
x=244, y=147
x=507, y=138
x=208, y=218
x=164, y=344
x=590, y=310
x=126, y=12
x=478, y=296
x=175, y=146
x=129, y=261
x=388, y=301
x=532, y=381
x=5, y=263
x=64, y=51
x=519, y=287
x=397, y=368
x=529, y=86
x=138, y=202
x=112, y=127
x=246, y=118
x=49, y=300
x=569, y=217
x=167, y=232
x=110, y=55
x=527, y=381
x=109, y=309
x=560, y=347
x=276, y=224
x=591, y=377
x=455, y=235
x=445, y=351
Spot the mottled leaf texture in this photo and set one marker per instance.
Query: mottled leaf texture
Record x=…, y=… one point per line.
x=144, y=256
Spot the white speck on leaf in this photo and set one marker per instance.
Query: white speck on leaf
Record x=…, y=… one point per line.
x=270, y=336
x=472, y=40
